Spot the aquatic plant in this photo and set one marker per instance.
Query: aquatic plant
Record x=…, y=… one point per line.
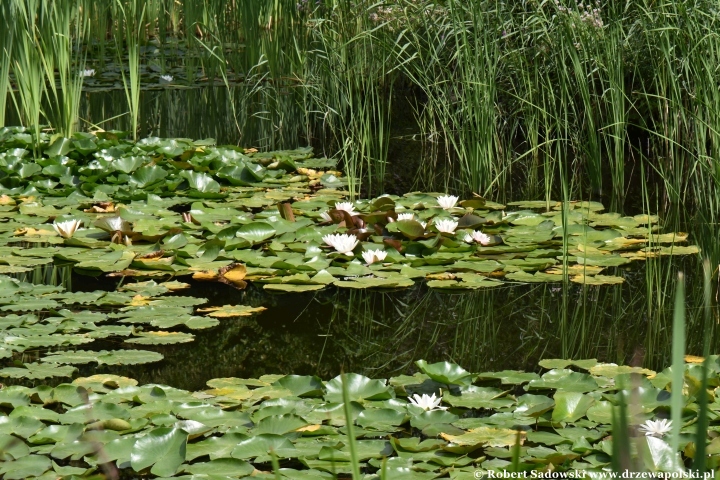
x=67, y=228
x=480, y=237
x=256, y=209
x=447, y=201
x=445, y=225
x=306, y=426
x=427, y=402
x=372, y=256
x=346, y=207
x=129, y=18
x=343, y=243
x=656, y=428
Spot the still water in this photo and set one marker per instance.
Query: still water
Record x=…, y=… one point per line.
x=378, y=333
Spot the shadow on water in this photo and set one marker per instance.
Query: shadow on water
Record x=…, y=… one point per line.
x=380, y=334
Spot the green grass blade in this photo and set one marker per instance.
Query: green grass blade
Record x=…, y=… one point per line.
x=678, y=362
x=349, y=425
x=702, y=400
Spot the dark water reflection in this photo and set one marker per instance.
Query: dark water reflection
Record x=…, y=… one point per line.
x=380, y=334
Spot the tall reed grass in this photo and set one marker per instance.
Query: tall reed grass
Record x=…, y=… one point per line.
x=551, y=93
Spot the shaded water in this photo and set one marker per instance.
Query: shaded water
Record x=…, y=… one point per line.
x=380, y=334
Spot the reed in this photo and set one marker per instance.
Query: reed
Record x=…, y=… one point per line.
x=63, y=35
x=6, y=49
x=27, y=63
x=129, y=26
x=501, y=91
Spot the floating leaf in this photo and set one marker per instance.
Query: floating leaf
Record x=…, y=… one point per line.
x=230, y=467
x=445, y=372
x=570, y=406
x=256, y=232
x=227, y=311
x=563, y=379
x=162, y=448
x=358, y=388
x=37, y=371
x=201, y=181
x=486, y=436
x=160, y=338
x=25, y=467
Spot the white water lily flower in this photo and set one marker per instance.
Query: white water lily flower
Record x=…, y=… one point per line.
x=406, y=216
x=346, y=206
x=446, y=225
x=656, y=428
x=116, y=224
x=167, y=78
x=343, y=243
x=371, y=256
x=326, y=216
x=67, y=228
x=90, y=72
x=480, y=237
x=447, y=201
x=427, y=402
x=424, y=224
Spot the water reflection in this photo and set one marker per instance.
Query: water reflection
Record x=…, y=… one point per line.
x=380, y=334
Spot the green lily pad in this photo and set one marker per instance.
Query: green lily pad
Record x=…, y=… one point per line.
x=563, y=379
x=445, y=372
x=570, y=406
x=162, y=448
x=359, y=388
x=37, y=371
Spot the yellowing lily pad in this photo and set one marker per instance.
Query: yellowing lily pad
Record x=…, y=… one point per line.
x=290, y=287
x=612, y=370
x=228, y=311
x=487, y=437
x=160, y=338
x=597, y=279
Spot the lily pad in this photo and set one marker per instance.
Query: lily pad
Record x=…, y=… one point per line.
x=445, y=372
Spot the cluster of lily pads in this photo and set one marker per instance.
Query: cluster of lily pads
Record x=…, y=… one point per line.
x=172, y=207
x=48, y=319
x=442, y=422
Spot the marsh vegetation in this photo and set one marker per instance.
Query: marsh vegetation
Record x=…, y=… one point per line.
x=247, y=200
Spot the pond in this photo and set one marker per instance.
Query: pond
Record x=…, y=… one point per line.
x=149, y=270
x=231, y=258
x=382, y=333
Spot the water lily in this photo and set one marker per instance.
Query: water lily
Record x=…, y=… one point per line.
x=480, y=237
x=372, y=256
x=446, y=225
x=67, y=228
x=447, y=201
x=116, y=224
x=346, y=207
x=167, y=78
x=326, y=216
x=427, y=402
x=90, y=72
x=343, y=243
x=656, y=428
x=406, y=216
